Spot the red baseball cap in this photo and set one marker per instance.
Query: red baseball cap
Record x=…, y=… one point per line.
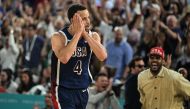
x=157, y=51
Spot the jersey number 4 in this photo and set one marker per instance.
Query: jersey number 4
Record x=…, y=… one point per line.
x=78, y=67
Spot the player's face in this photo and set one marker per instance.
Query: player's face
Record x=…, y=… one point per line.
x=84, y=14
x=155, y=62
x=102, y=83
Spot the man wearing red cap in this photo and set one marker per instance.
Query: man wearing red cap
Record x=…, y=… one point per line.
x=159, y=87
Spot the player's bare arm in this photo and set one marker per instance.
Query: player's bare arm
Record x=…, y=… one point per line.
x=62, y=50
x=95, y=44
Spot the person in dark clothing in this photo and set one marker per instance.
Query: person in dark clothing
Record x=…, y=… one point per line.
x=132, y=95
x=26, y=81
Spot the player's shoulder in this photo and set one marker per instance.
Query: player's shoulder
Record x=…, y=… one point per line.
x=58, y=38
x=57, y=35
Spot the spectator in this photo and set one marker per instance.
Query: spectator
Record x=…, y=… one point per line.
x=26, y=82
x=7, y=82
x=184, y=59
x=120, y=54
x=147, y=42
x=9, y=53
x=183, y=71
x=101, y=95
x=175, y=9
x=44, y=83
x=33, y=45
x=185, y=74
x=48, y=102
x=132, y=95
x=185, y=22
x=174, y=35
x=161, y=87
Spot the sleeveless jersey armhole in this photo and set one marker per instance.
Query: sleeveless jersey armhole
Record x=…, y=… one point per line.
x=64, y=35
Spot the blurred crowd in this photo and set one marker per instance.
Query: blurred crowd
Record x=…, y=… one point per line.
x=128, y=28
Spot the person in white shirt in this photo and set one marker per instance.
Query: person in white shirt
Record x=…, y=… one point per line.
x=9, y=53
x=101, y=95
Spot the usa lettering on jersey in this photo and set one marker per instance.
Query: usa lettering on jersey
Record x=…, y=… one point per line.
x=80, y=52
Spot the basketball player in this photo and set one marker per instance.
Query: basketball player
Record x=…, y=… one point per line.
x=72, y=48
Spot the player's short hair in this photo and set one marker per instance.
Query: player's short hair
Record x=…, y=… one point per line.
x=73, y=9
